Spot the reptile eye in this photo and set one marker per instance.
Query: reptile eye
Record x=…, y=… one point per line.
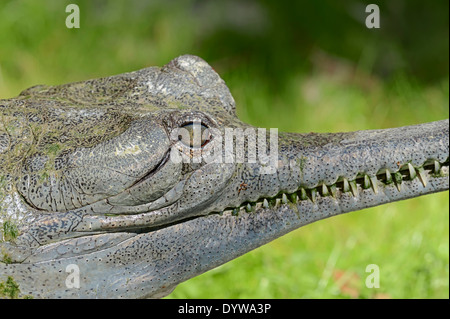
x=194, y=134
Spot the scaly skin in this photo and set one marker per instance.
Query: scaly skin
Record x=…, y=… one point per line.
x=88, y=178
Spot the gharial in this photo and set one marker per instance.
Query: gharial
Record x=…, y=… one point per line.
x=89, y=178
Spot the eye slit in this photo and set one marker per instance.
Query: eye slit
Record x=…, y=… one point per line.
x=194, y=134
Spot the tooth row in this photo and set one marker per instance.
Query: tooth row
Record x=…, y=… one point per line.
x=346, y=186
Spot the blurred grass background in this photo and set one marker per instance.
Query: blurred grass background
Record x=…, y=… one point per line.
x=296, y=65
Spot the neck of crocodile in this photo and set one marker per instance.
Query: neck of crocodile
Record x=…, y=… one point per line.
x=146, y=254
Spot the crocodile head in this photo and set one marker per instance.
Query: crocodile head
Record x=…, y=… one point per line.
x=140, y=181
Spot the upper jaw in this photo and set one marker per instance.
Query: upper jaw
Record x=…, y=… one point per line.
x=312, y=164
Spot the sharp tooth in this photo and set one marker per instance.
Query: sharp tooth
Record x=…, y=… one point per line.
x=313, y=195
x=388, y=177
x=284, y=199
x=346, y=185
x=265, y=203
x=412, y=171
x=235, y=212
x=303, y=195
x=437, y=167
x=373, y=181
x=248, y=208
x=366, y=183
x=354, y=188
x=324, y=190
x=422, y=176
x=333, y=190
x=398, y=180
x=277, y=202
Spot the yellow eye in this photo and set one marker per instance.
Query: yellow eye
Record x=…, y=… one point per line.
x=194, y=134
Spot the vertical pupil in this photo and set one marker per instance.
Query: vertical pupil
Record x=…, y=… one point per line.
x=194, y=135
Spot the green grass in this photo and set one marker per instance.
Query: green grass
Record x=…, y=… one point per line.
x=408, y=240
